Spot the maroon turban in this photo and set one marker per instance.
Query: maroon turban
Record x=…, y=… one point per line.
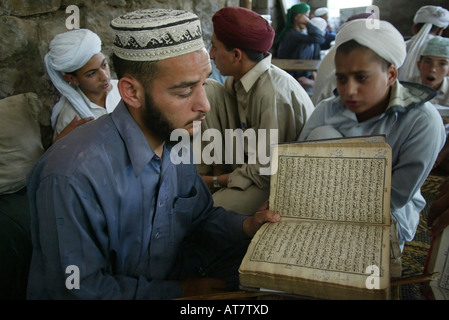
x=242, y=28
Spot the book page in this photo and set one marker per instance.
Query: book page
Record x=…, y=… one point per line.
x=341, y=247
x=342, y=183
x=335, y=252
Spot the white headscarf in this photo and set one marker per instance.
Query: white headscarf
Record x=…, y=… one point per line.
x=321, y=12
x=429, y=15
x=435, y=15
x=70, y=51
x=385, y=40
x=320, y=23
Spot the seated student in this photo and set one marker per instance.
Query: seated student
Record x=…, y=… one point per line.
x=300, y=39
x=20, y=148
x=256, y=96
x=329, y=35
x=325, y=84
x=80, y=72
x=308, y=82
x=433, y=67
x=428, y=22
x=371, y=101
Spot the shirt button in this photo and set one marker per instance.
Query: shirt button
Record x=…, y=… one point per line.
x=157, y=235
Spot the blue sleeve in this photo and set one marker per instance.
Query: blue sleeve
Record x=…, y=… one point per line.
x=222, y=224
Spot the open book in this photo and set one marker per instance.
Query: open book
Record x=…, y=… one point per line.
x=333, y=240
x=438, y=262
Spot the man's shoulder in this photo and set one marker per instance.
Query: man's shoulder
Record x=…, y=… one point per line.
x=280, y=79
x=83, y=144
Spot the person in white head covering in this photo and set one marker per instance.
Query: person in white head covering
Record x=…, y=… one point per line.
x=115, y=209
x=329, y=35
x=371, y=101
x=433, y=67
x=80, y=72
x=429, y=21
x=320, y=23
x=325, y=83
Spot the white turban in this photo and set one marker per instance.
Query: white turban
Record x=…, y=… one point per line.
x=320, y=23
x=70, y=51
x=321, y=12
x=384, y=39
x=429, y=15
x=435, y=15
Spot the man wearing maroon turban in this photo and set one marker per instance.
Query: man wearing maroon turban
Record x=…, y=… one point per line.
x=257, y=98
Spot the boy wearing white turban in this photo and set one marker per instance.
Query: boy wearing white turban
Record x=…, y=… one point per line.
x=371, y=101
x=329, y=35
x=428, y=22
x=80, y=72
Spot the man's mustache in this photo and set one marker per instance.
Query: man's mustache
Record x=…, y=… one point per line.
x=196, y=119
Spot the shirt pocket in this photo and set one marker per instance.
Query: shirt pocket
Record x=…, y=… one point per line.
x=183, y=209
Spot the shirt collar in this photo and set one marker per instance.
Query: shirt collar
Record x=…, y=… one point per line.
x=405, y=95
x=252, y=75
x=444, y=88
x=139, y=150
x=109, y=97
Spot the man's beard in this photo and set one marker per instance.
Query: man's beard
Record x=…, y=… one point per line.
x=155, y=121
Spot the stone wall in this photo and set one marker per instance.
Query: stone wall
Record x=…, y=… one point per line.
x=28, y=26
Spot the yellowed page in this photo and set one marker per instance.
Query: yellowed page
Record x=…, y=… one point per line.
x=337, y=253
x=339, y=182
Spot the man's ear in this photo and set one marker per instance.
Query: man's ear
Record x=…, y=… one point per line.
x=70, y=78
x=238, y=54
x=131, y=91
x=392, y=74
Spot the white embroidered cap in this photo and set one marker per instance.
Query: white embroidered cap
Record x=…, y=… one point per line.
x=156, y=34
x=437, y=47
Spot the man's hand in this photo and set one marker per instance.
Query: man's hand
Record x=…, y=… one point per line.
x=303, y=18
x=252, y=224
x=72, y=125
x=200, y=286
